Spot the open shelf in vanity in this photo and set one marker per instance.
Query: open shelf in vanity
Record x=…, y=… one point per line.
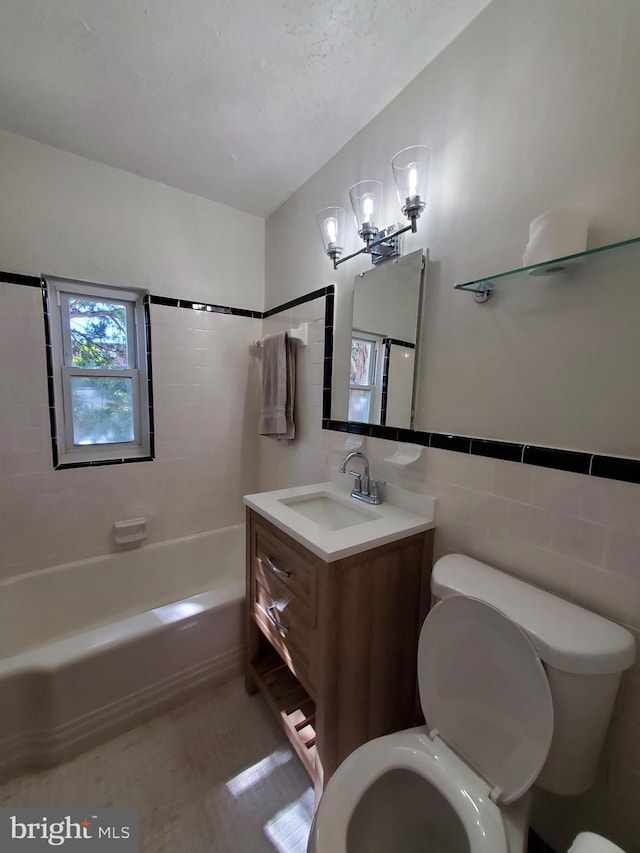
x=289, y=701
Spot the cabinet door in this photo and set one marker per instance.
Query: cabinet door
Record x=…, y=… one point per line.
x=284, y=620
x=275, y=558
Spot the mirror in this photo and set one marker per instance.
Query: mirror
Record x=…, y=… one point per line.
x=376, y=353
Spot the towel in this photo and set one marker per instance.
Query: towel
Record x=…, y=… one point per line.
x=278, y=387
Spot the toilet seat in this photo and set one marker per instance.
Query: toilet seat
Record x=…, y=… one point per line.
x=489, y=712
x=484, y=689
x=431, y=761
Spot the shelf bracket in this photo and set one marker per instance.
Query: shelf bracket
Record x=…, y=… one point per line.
x=484, y=291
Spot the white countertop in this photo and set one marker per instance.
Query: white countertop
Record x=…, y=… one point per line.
x=403, y=513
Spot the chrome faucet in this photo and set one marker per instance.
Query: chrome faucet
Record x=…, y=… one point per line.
x=365, y=488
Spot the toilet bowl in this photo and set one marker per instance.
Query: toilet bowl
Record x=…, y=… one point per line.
x=435, y=795
x=514, y=683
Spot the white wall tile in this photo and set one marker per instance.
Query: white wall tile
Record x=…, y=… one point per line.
x=512, y=480
x=205, y=410
x=622, y=553
x=612, y=503
x=559, y=491
x=580, y=539
x=605, y=593
x=530, y=523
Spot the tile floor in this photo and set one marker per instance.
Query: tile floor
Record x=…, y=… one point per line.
x=199, y=785
x=216, y=774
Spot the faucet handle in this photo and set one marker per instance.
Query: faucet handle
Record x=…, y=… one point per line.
x=374, y=489
x=357, y=481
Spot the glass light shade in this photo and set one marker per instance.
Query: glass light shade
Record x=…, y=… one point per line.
x=331, y=222
x=365, y=200
x=411, y=173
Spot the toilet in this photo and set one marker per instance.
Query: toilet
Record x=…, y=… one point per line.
x=517, y=687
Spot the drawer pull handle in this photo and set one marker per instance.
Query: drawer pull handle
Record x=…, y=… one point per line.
x=275, y=568
x=275, y=620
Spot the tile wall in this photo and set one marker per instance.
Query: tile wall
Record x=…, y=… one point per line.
x=575, y=535
x=205, y=377
x=304, y=460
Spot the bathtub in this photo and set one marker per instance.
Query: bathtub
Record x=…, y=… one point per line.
x=91, y=648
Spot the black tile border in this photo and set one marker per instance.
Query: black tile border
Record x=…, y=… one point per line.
x=497, y=449
x=327, y=376
x=146, y=307
x=595, y=465
x=300, y=300
x=616, y=468
x=99, y=463
x=171, y=302
x=458, y=443
x=164, y=300
x=561, y=460
x=18, y=278
x=207, y=307
x=46, y=319
x=608, y=467
x=397, y=342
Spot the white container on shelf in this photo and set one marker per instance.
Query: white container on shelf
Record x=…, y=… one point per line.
x=556, y=234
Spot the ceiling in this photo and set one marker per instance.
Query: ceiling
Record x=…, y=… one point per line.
x=238, y=102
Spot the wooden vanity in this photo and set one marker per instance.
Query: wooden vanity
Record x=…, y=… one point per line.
x=332, y=645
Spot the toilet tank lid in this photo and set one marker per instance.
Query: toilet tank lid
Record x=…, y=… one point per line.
x=566, y=636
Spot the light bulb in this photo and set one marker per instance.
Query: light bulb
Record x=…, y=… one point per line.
x=367, y=207
x=413, y=180
x=331, y=227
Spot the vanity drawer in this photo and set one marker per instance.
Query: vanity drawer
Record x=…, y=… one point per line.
x=275, y=559
x=285, y=622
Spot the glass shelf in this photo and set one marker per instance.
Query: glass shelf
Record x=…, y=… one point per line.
x=482, y=288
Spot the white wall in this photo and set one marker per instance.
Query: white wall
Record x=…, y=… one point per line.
x=533, y=107
x=64, y=215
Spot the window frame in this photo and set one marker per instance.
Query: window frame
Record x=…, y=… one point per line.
x=374, y=374
x=68, y=452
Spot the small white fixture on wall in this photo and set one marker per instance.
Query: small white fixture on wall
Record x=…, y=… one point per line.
x=350, y=444
x=405, y=456
x=129, y=531
x=411, y=172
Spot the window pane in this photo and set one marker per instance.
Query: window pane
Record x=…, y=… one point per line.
x=359, y=406
x=102, y=409
x=98, y=333
x=361, y=354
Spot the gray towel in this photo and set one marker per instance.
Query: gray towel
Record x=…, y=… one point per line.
x=278, y=387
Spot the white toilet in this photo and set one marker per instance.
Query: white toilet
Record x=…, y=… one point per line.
x=517, y=686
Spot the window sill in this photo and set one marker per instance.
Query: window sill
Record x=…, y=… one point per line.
x=77, y=460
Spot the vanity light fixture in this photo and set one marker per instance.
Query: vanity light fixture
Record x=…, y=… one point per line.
x=410, y=171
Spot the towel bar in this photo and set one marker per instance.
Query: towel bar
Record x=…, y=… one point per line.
x=301, y=334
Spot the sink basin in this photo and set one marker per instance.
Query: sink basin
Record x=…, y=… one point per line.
x=330, y=512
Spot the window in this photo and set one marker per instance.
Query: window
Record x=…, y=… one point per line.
x=363, y=393
x=99, y=365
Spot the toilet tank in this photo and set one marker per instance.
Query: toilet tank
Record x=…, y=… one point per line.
x=583, y=654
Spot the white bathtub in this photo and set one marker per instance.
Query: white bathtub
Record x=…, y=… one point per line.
x=91, y=648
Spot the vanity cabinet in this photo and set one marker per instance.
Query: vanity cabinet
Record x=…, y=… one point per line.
x=332, y=645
